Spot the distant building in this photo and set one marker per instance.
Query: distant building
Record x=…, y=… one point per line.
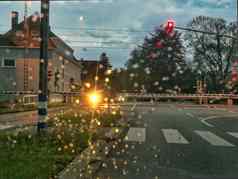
x=19, y=58
x=89, y=72
x=92, y=71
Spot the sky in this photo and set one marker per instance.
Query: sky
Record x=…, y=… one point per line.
x=115, y=26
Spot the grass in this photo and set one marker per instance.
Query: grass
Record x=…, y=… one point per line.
x=26, y=155
x=109, y=120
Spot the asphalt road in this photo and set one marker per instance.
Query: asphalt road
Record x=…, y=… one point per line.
x=176, y=142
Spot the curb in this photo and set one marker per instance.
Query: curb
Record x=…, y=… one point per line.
x=90, y=160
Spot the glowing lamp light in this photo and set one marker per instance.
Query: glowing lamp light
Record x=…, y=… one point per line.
x=105, y=99
x=170, y=25
x=88, y=85
x=121, y=99
x=77, y=101
x=106, y=80
x=94, y=98
x=109, y=72
x=81, y=18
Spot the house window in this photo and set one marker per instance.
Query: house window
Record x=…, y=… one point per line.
x=8, y=62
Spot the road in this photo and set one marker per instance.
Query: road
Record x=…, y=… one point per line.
x=176, y=142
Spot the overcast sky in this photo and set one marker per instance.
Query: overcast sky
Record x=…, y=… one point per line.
x=118, y=24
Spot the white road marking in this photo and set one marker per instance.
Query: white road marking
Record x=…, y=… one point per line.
x=136, y=135
x=234, y=134
x=133, y=107
x=190, y=115
x=174, y=136
x=213, y=139
x=2, y=127
x=204, y=121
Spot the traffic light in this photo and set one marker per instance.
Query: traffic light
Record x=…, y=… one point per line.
x=169, y=27
x=50, y=74
x=234, y=76
x=234, y=73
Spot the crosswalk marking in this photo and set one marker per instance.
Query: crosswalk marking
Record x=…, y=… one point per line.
x=174, y=136
x=213, y=139
x=234, y=134
x=136, y=135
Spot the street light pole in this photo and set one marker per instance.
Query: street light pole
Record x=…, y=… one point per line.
x=236, y=55
x=43, y=80
x=237, y=12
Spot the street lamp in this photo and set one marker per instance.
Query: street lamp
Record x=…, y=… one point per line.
x=81, y=18
x=94, y=98
x=237, y=12
x=109, y=72
x=237, y=25
x=107, y=80
x=88, y=85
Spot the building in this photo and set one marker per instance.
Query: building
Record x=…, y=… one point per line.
x=89, y=72
x=19, y=58
x=94, y=73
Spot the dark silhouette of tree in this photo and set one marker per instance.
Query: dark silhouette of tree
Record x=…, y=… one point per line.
x=102, y=69
x=213, y=54
x=159, y=65
x=119, y=80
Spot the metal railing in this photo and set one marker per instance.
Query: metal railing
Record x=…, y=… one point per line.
x=179, y=96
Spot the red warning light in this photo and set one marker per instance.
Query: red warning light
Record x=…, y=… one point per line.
x=169, y=27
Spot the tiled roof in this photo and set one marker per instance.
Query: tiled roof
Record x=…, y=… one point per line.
x=12, y=37
x=5, y=41
x=15, y=38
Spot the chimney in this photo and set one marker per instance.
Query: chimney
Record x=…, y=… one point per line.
x=14, y=17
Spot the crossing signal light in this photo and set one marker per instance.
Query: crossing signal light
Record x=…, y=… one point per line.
x=234, y=77
x=234, y=73
x=169, y=27
x=50, y=74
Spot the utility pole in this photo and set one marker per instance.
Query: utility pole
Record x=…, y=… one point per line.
x=237, y=28
x=43, y=76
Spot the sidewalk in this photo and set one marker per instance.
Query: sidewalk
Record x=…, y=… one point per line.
x=13, y=120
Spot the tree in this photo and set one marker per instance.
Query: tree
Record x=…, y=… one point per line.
x=102, y=69
x=212, y=54
x=159, y=65
x=119, y=80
